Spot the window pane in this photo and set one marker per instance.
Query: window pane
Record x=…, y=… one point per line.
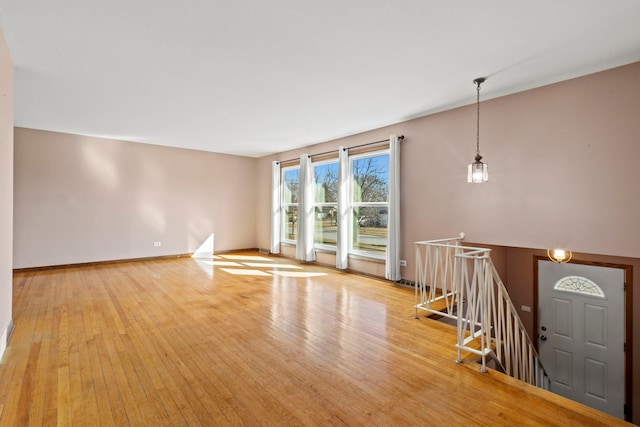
x=370, y=228
x=326, y=177
x=371, y=179
x=291, y=184
x=291, y=223
x=579, y=285
x=325, y=225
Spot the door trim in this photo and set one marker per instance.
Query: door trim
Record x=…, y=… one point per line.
x=628, y=320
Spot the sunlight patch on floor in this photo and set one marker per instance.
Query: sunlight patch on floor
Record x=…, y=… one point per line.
x=205, y=265
x=245, y=272
x=223, y=263
x=247, y=257
x=296, y=274
x=261, y=264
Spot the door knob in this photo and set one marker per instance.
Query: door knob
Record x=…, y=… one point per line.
x=544, y=328
x=543, y=338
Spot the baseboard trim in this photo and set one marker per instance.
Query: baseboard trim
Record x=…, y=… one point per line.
x=117, y=261
x=95, y=263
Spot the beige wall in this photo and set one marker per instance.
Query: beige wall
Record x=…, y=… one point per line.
x=562, y=162
x=6, y=190
x=83, y=199
x=563, y=173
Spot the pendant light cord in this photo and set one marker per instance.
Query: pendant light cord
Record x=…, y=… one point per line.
x=478, y=82
x=478, y=120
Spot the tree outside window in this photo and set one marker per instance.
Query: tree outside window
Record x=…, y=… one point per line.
x=291, y=181
x=369, y=203
x=326, y=203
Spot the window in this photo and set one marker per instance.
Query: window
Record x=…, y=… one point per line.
x=291, y=184
x=325, y=204
x=369, y=203
x=579, y=285
x=350, y=205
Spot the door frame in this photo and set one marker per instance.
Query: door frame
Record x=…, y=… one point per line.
x=628, y=319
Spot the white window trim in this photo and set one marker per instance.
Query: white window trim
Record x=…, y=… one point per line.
x=284, y=205
x=344, y=238
x=352, y=204
x=323, y=247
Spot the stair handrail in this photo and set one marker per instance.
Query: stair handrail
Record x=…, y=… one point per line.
x=527, y=365
x=434, y=275
x=488, y=323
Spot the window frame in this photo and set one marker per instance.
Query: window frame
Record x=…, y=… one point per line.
x=380, y=255
x=333, y=160
x=284, y=205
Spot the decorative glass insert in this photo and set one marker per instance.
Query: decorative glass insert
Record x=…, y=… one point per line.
x=579, y=285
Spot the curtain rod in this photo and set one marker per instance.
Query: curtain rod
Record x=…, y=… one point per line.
x=400, y=137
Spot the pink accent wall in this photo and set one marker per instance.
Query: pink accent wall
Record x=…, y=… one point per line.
x=84, y=199
x=6, y=191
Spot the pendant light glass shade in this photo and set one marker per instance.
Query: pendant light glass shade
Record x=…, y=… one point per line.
x=478, y=172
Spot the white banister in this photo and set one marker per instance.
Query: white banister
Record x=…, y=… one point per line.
x=461, y=282
x=434, y=276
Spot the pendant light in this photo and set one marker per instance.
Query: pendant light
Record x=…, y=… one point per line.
x=478, y=172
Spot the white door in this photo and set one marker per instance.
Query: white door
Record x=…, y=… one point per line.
x=581, y=333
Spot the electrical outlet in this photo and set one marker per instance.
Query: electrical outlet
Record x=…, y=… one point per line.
x=403, y=263
x=156, y=244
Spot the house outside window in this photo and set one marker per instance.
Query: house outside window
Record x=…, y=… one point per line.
x=325, y=204
x=290, y=187
x=369, y=198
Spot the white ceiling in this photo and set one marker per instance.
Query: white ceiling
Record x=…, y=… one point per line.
x=253, y=77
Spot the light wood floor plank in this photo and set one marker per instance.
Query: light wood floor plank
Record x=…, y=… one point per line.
x=63, y=408
x=181, y=342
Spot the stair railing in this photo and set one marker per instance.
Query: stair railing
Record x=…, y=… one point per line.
x=434, y=276
x=488, y=325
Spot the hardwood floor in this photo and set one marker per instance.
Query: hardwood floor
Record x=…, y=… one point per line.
x=253, y=340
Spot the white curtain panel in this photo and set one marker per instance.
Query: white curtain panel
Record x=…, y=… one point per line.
x=276, y=200
x=304, y=248
x=342, y=238
x=392, y=266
